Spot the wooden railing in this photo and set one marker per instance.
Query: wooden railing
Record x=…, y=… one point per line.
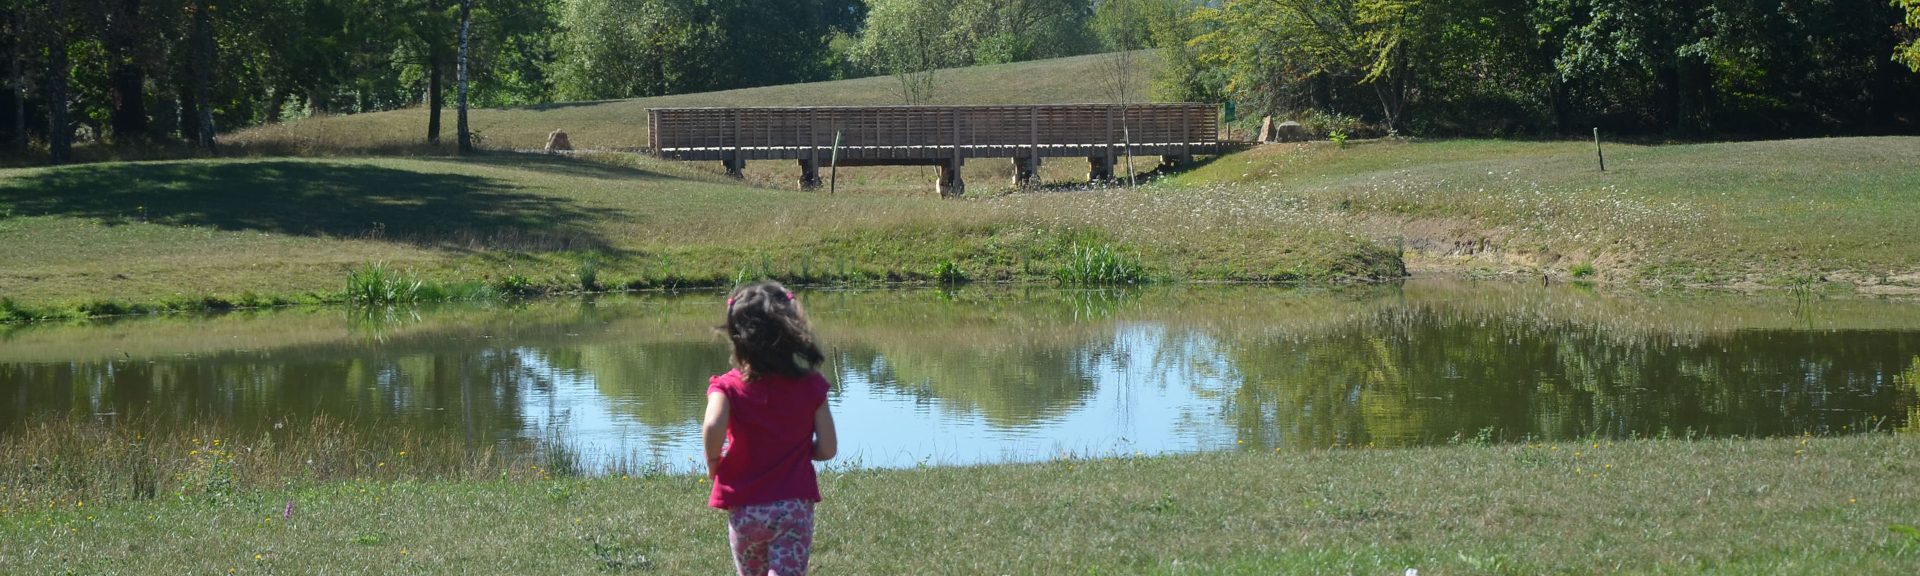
x=974, y=131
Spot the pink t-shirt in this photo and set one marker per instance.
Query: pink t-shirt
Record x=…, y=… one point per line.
x=769, y=454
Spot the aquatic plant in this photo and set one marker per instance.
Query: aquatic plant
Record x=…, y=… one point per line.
x=1101, y=264
x=948, y=272
x=376, y=284
x=589, y=271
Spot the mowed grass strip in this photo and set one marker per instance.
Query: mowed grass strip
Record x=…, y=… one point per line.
x=1783, y=506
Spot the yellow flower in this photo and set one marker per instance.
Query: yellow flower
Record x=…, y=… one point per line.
x=257, y=557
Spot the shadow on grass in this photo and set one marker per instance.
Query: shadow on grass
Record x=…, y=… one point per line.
x=446, y=211
x=556, y=165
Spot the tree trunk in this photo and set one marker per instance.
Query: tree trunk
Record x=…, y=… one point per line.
x=202, y=40
x=466, y=24
x=435, y=99
x=127, y=79
x=59, y=127
x=276, y=99
x=189, y=112
x=19, y=78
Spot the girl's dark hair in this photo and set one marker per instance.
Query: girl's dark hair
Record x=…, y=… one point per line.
x=769, y=332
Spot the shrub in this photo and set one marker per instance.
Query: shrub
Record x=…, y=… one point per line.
x=948, y=272
x=1582, y=270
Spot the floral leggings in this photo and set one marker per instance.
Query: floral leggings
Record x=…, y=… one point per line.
x=772, y=538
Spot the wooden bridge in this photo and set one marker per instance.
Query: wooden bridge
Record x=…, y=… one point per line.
x=943, y=136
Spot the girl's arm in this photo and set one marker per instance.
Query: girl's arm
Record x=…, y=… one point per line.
x=713, y=430
x=824, y=441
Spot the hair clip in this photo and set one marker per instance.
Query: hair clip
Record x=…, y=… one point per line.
x=789, y=295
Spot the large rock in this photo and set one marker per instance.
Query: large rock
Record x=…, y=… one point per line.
x=557, y=142
x=1291, y=131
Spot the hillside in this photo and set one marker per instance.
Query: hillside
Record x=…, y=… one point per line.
x=618, y=124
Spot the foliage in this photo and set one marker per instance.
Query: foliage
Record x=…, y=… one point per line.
x=1908, y=52
x=377, y=284
x=630, y=48
x=1089, y=265
x=948, y=272
x=1541, y=66
x=913, y=39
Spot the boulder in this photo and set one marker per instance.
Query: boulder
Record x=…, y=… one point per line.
x=557, y=142
x=1291, y=131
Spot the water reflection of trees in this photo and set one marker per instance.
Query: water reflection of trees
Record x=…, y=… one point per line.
x=473, y=393
x=1008, y=386
x=1421, y=373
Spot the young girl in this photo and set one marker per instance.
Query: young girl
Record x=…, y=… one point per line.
x=767, y=419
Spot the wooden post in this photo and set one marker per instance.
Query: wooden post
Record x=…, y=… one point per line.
x=1596, y=149
x=1108, y=139
x=809, y=174
x=736, y=166
x=833, y=171
x=952, y=184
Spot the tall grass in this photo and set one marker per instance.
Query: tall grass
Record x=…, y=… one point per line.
x=1092, y=265
x=376, y=284
x=87, y=459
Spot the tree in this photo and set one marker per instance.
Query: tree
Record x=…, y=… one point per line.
x=912, y=40
x=203, y=62
x=59, y=70
x=466, y=26
x=1908, y=51
x=18, y=42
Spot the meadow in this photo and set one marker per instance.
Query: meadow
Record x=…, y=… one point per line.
x=1648, y=506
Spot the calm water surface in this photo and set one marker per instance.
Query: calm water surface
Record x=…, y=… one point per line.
x=994, y=375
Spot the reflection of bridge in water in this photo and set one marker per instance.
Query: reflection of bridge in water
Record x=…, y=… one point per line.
x=943, y=136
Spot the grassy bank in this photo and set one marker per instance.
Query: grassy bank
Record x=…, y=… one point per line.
x=1789, y=212
x=105, y=237
x=1786, y=506
x=1804, y=214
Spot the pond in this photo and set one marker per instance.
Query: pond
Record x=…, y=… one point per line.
x=986, y=374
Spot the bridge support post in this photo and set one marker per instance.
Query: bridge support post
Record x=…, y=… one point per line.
x=809, y=174
x=1026, y=171
x=735, y=165
x=1099, y=168
x=951, y=185
x=1181, y=160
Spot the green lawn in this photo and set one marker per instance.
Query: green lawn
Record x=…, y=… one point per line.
x=179, y=233
x=1787, y=506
